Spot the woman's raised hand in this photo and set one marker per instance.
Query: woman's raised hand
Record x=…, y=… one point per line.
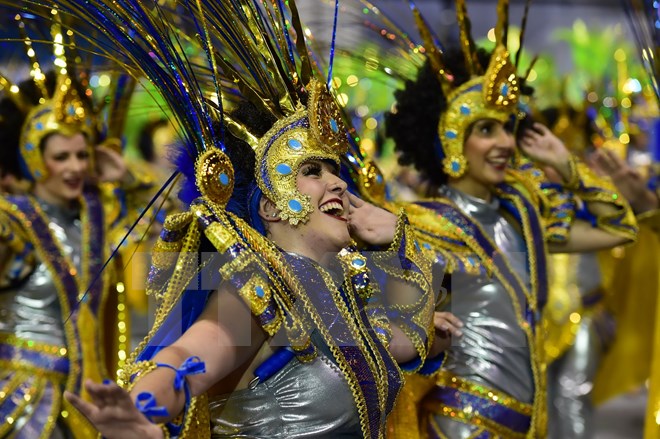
x=369, y=223
x=113, y=412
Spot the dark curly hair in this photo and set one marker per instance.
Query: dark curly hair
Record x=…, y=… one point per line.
x=11, y=123
x=414, y=125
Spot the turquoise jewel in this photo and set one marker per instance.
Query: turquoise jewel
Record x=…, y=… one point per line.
x=455, y=166
x=39, y=126
x=259, y=291
x=37, y=174
x=465, y=110
x=294, y=144
x=357, y=263
x=71, y=110
x=504, y=90
x=224, y=179
x=334, y=126
x=295, y=205
x=29, y=147
x=283, y=169
x=451, y=134
x=427, y=246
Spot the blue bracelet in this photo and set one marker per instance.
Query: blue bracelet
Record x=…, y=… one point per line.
x=145, y=402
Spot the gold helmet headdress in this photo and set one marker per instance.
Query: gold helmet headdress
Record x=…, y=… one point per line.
x=284, y=83
x=66, y=111
x=491, y=94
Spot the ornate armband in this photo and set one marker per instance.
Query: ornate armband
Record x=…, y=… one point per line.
x=146, y=401
x=589, y=187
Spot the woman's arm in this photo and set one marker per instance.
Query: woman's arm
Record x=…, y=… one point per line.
x=223, y=337
x=613, y=222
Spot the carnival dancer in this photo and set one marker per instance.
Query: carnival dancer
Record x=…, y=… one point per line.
x=280, y=269
x=59, y=321
x=493, y=207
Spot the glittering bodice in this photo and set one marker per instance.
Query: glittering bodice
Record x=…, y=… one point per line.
x=493, y=349
x=32, y=309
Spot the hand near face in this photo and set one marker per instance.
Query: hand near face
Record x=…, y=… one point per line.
x=542, y=146
x=627, y=180
x=369, y=223
x=113, y=413
x=110, y=165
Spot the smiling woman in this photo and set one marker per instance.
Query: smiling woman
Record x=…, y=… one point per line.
x=271, y=322
x=57, y=325
x=492, y=208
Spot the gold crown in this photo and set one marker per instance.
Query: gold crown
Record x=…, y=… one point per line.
x=64, y=113
x=314, y=131
x=493, y=94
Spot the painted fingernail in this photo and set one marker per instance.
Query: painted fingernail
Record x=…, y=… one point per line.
x=107, y=381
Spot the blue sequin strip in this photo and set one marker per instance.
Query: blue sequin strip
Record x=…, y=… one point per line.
x=95, y=253
x=485, y=408
x=39, y=360
x=342, y=336
x=55, y=259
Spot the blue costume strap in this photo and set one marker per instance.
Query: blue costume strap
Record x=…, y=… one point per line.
x=191, y=366
x=271, y=366
x=146, y=404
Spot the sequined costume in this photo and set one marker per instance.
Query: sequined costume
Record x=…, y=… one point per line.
x=62, y=315
x=335, y=321
x=53, y=335
x=492, y=382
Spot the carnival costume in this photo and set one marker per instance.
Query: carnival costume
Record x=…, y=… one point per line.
x=62, y=313
x=335, y=376
x=491, y=382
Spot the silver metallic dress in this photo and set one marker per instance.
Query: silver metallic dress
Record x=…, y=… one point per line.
x=287, y=405
x=31, y=311
x=493, y=349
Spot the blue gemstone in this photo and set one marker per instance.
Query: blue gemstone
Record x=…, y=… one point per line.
x=357, y=263
x=294, y=144
x=333, y=125
x=283, y=169
x=295, y=205
x=465, y=110
x=450, y=134
x=71, y=110
x=39, y=126
x=505, y=90
x=259, y=291
x=29, y=147
x=561, y=215
x=37, y=174
x=455, y=166
x=379, y=179
x=416, y=245
x=224, y=179
x=427, y=246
